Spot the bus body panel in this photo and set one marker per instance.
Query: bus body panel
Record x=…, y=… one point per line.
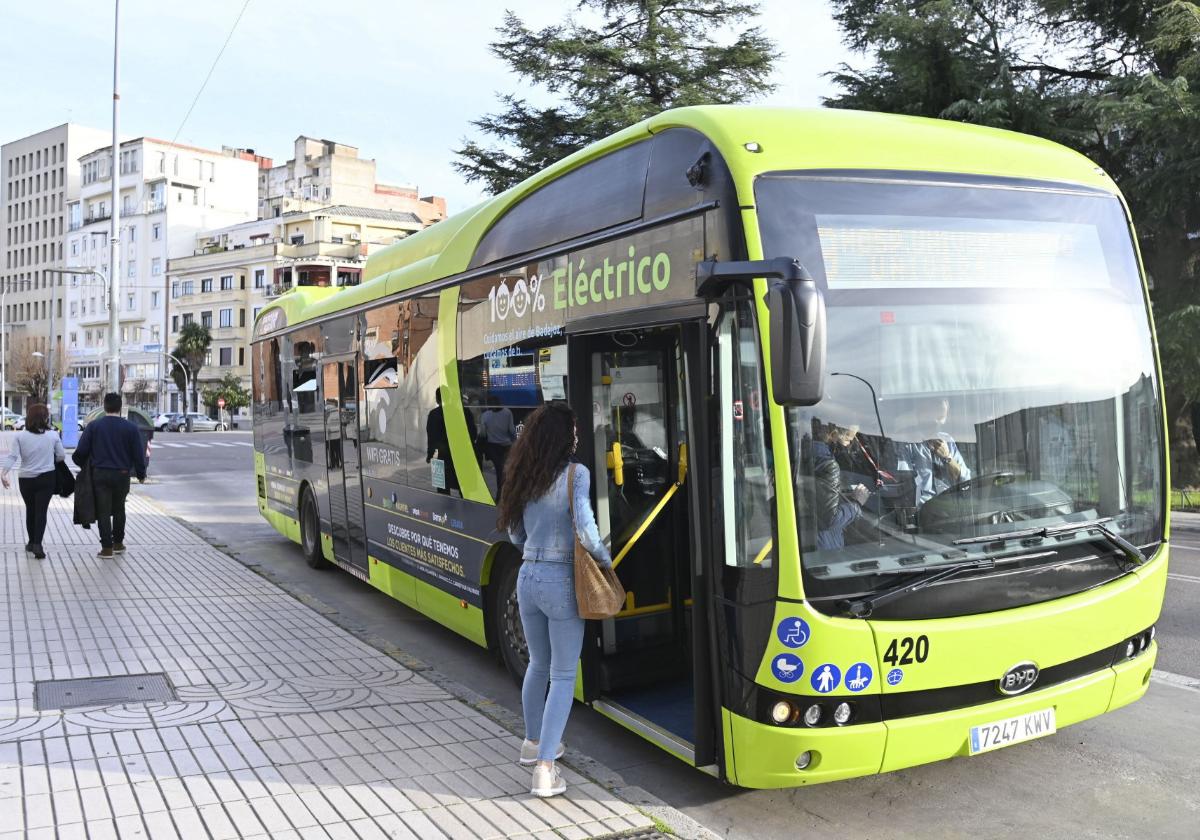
x=974, y=648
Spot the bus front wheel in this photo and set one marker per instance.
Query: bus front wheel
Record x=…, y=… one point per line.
x=310, y=532
x=506, y=620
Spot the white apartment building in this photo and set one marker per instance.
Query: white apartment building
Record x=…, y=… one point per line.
x=168, y=193
x=324, y=173
x=232, y=272
x=39, y=177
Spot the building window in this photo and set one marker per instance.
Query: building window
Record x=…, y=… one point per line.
x=132, y=269
x=257, y=309
x=156, y=266
x=241, y=317
x=298, y=239
x=74, y=308
x=129, y=303
x=87, y=338
x=156, y=230
x=206, y=285
x=260, y=278
x=226, y=318
x=174, y=290
x=226, y=356
x=241, y=356
x=188, y=287
x=227, y=283
x=73, y=339
x=174, y=323
x=208, y=357
x=187, y=318
x=155, y=299
x=206, y=319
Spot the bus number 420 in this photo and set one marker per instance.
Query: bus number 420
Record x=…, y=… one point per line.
x=908, y=650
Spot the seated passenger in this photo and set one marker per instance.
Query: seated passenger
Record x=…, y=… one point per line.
x=936, y=463
x=834, y=510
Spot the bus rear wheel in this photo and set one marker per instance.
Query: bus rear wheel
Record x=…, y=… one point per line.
x=310, y=531
x=506, y=620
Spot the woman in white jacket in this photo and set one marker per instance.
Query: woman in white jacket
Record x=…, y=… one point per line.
x=38, y=448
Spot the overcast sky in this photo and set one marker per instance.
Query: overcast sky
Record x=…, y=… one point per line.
x=400, y=80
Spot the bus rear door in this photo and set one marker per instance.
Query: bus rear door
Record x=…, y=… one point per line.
x=343, y=460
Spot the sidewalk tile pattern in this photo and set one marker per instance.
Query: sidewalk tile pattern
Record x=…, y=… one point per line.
x=286, y=725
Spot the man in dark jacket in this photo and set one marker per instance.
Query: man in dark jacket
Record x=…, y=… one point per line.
x=834, y=511
x=114, y=447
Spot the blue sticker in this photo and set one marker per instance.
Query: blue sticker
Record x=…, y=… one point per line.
x=894, y=676
x=858, y=676
x=825, y=678
x=787, y=667
x=793, y=632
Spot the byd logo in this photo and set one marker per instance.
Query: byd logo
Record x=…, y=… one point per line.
x=1018, y=678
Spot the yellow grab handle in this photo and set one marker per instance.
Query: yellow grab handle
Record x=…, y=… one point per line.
x=617, y=464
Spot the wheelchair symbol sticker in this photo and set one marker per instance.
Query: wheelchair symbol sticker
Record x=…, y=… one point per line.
x=787, y=667
x=793, y=632
x=894, y=676
x=825, y=678
x=858, y=676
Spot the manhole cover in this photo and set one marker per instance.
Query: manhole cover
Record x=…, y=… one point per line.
x=102, y=691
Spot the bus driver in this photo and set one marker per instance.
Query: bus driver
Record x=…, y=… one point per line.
x=936, y=463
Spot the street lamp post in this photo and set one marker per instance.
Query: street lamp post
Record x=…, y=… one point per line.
x=114, y=339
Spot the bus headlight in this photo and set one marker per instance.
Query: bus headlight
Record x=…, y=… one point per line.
x=842, y=713
x=1130, y=649
x=812, y=715
x=781, y=712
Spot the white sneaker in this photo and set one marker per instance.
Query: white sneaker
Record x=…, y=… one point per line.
x=547, y=781
x=529, y=751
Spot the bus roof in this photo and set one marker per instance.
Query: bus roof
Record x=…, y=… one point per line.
x=788, y=139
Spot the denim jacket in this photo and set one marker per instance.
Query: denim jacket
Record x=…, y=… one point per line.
x=545, y=532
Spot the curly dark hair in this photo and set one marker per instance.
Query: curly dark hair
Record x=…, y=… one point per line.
x=540, y=453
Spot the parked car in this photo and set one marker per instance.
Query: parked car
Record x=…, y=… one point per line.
x=11, y=419
x=200, y=423
x=163, y=420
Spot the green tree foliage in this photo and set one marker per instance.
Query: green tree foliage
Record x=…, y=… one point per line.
x=191, y=348
x=1119, y=81
x=230, y=387
x=612, y=63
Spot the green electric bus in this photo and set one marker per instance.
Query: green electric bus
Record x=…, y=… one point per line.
x=871, y=404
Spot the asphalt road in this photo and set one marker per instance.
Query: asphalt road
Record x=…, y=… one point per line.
x=1134, y=773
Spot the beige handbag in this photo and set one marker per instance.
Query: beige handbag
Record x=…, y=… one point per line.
x=598, y=592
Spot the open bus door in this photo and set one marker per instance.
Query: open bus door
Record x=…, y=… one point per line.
x=342, y=393
x=650, y=667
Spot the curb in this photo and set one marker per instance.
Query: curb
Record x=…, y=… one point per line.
x=665, y=816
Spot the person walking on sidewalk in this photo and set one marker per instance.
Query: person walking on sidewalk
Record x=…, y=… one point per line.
x=497, y=432
x=39, y=448
x=114, y=446
x=537, y=515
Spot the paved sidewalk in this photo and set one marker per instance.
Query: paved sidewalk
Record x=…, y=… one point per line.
x=284, y=725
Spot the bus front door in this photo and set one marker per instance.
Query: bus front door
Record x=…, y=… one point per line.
x=634, y=437
x=346, y=513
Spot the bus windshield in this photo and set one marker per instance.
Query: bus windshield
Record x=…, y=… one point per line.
x=991, y=371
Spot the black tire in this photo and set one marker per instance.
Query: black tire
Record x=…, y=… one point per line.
x=506, y=619
x=221, y=427
x=310, y=531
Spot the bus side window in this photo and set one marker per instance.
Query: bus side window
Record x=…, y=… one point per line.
x=384, y=423
x=746, y=475
x=418, y=376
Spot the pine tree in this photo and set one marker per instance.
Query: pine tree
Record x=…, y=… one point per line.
x=639, y=58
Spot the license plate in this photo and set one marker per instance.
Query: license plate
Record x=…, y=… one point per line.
x=1014, y=730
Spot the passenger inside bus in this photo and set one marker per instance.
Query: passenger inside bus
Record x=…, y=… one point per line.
x=836, y=509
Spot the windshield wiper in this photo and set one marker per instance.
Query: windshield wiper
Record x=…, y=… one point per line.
x=863, y=607
x=1130, y=551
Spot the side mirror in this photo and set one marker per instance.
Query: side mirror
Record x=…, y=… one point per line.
x=796, y=325
x=797, y=338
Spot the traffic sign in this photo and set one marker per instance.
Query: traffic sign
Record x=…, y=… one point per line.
x=220, y=402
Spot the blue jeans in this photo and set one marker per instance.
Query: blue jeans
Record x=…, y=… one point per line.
x=554, y=632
